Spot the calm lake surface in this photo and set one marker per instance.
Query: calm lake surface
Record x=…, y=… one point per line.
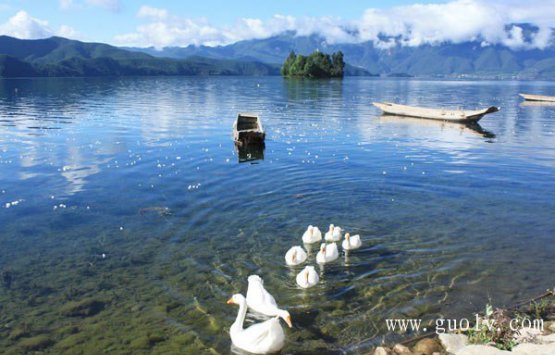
x=127, y=220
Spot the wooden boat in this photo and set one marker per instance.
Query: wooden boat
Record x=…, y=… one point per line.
x=247, y=129
x=529, y=97
x=434, y=114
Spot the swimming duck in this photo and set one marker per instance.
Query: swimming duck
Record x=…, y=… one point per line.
x=351, y=242
x=261, y=338
x=295, y=256
x=312, y=235
x=308, y=277
x=327, y=253
x=333, y=234
x=261, y=301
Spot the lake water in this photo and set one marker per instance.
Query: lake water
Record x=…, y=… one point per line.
x=127, y=220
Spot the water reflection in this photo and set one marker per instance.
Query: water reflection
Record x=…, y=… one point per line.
x=537, y=104
x=250, y=152
x=309, y=90
x=444, y=126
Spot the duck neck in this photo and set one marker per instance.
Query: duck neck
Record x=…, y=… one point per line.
x=238, y=324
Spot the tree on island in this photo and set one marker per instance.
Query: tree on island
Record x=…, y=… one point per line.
x=316, y=65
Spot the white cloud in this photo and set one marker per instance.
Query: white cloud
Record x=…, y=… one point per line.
x=489, y=22
x=66, y=4
x=24, y=26
x=172, y=32
x=167, y=30
x=68, y=32
x=112, y=5
x=459, y=21
x=164, y=29
x=152, y=12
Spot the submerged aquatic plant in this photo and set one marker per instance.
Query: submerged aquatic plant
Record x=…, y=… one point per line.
x=539, y=308
x=7, y=279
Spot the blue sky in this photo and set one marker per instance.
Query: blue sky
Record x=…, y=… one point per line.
x=215, y=22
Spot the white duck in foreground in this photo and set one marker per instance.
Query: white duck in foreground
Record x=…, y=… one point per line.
x=334, y=234
x=260, y=338
x=308, y=277
x=327, y=253
x=351, y=242
x=295, y=256
x=261, y=301
x=312, y=235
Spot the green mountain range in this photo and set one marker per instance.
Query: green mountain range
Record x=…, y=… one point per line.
x=58, y=56
x=447, y=59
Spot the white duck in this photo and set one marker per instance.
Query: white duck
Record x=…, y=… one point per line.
x=312, y=235
x=351, y=242
x=327, y=253
x=334, y=234
x=295, y=256
x=261, y=301
x=308, y=277
x=260, y=338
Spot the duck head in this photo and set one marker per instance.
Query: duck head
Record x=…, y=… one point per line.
x=255, y=279
x=236, y=299
x=283, y=314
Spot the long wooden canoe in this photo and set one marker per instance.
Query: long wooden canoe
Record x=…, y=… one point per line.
x=247, y=129
x=433, y=113
x=529, y=97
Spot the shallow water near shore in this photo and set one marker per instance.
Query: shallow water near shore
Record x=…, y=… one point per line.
x=127, y=220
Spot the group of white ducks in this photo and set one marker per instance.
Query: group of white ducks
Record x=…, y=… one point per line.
x=268, y=336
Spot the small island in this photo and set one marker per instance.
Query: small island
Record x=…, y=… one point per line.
x=316, y=65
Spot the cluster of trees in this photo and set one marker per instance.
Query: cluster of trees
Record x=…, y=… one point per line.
x=316, y=65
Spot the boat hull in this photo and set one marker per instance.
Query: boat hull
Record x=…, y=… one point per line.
x=250, y=138
x=542, y=98
x=247, y=130
x=434, y=114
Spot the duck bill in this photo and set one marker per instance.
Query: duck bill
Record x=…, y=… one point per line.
x=288, y=321
x=230, y=301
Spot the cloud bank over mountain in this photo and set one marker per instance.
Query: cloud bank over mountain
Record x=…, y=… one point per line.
x=490, y=22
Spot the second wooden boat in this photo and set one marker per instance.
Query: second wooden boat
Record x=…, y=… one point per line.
x=543, y=98
x=433, y=113
x=248, y=130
